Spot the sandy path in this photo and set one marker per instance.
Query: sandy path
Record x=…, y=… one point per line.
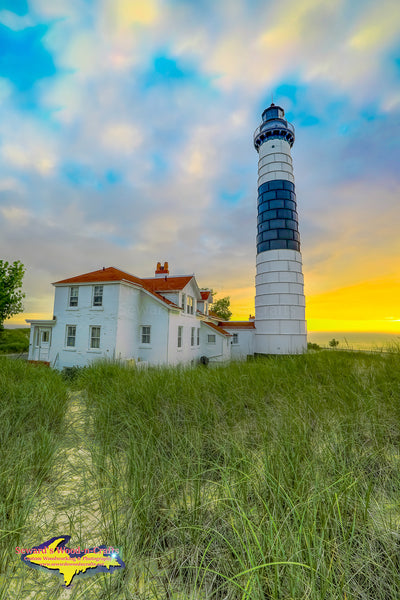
x=67, y=504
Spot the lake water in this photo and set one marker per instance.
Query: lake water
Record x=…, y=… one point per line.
x=355, y=340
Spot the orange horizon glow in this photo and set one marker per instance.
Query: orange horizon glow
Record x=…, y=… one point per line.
x=368, y=306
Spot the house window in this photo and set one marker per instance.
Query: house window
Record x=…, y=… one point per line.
x=180, y=333
x=211, y=338
x=98, y=295
x=192, y=333
x=95, y=336
x=145, y=336
x=198, y=336
x=70, y=337
x=235, y=338
x=73, y=296
x=45, y=336
x=183, y=301
x=189, y=308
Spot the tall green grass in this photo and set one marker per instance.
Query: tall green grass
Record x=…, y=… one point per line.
x=32, y=406
x=271, y=479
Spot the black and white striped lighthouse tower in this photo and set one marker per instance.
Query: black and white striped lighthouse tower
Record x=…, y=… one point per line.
x=280, y=304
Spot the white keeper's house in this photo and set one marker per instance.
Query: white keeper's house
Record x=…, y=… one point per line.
x=160, y=320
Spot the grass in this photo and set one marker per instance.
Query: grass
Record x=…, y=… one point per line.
x=271, y=479
x=14, y=340
x=32, y=406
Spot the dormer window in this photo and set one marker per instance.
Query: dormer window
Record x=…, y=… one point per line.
x=183, y=301
x=73, y=296
x=189, y=308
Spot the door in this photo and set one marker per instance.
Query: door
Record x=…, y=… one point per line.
x=42, y=343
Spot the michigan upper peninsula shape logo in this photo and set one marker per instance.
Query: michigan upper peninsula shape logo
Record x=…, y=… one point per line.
x=53, y=555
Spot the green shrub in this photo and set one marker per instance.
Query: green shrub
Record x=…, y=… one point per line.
x=14, y=341
x=313, y=346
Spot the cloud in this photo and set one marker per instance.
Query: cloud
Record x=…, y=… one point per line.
x=127, y=136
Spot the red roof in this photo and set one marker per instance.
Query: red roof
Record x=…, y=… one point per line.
x=113, y=274
x=205, y=295
x=105, y=274
x=216, y=327
x=237, y=324
x=166, y=284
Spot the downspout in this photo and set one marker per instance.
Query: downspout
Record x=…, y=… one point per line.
x=168, y=337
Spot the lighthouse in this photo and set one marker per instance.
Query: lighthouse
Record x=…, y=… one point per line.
x=280, y=325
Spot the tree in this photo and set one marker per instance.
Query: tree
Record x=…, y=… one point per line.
x=11, y=275
x=333, y=343
x=221, y=308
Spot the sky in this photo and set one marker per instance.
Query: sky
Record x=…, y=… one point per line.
x=126, y=138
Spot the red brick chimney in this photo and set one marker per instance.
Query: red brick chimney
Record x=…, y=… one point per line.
x=162, y=271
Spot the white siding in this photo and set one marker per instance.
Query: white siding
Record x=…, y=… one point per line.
x=84, y=316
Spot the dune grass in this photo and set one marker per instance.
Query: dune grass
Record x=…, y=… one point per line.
x=271, y=479
x=14, y=340
x=32, y=405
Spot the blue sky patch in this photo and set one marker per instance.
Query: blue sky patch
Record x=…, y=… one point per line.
x=113, y=177
x=23, y=58
x=80, y=175
x=168, y=71
x=308, y=121
x=19, y=7
x=231, y=197
x=168, y=68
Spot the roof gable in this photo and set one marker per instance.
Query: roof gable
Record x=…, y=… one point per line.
x=167, y=284
x=220, y=330
x=110, y=275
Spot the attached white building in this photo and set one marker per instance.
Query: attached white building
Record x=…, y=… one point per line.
x=162, y=320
